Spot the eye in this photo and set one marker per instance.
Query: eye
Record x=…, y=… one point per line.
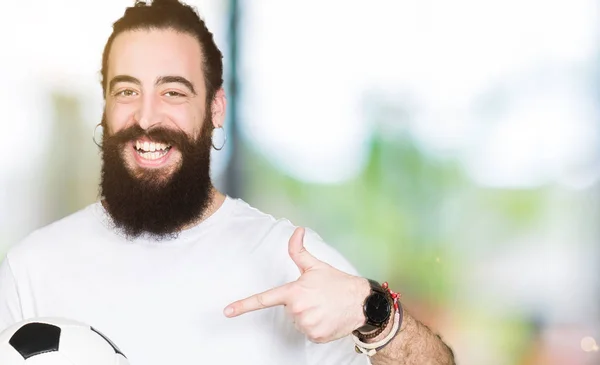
x=126, y=93
x=173, y=94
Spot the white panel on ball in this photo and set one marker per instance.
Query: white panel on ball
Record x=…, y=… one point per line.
x=9, y=356
x=78, y=343
x=50, y=358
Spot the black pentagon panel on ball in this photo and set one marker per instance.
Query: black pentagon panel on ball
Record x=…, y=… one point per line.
x=35, y=339
x=110, y=342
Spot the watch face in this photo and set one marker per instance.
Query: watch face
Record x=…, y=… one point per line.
x=378, y=308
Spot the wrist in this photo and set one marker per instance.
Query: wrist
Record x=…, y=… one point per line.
x=378, y=302
x=378, y=310
x=374, y=346
x=387, y=329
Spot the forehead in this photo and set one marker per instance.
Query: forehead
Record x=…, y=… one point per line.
x=147, y=54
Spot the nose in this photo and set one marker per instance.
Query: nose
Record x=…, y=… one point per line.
x=146, y=115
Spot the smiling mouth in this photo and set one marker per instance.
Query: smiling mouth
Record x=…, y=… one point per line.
x=151, y=150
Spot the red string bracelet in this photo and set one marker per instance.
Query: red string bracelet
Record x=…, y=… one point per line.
x=395, y=296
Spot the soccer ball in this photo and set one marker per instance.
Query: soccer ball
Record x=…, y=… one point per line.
x=57, y=341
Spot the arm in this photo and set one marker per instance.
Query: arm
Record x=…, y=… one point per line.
x=10, y=304
x=415, y=343
x=326, y=304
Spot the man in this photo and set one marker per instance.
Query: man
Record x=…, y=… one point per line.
x=171, y=269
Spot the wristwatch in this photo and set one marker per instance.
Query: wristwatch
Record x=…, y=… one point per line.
x=377, y=308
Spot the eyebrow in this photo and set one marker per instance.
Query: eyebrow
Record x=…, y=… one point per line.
x=159, y=81
x=122, y=78
x=175, y=79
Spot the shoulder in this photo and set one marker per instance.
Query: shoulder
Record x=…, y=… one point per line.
x=56, y=236
x=274, y=237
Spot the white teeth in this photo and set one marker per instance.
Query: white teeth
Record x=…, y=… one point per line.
x=152, y=155
x=150, y=146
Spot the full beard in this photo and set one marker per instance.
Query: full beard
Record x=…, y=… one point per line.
x=156, y=202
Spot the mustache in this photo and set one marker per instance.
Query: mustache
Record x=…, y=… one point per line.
x=159, y=134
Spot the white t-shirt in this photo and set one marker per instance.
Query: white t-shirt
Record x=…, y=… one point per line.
x=162, y=302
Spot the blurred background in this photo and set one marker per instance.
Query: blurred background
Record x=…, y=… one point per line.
x=450, y=148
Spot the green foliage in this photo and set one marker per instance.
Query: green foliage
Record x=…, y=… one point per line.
x=403, y=219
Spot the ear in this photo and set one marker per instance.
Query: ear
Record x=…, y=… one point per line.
x=219, y=104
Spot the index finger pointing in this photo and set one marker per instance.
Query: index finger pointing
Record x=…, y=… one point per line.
x=266, y=299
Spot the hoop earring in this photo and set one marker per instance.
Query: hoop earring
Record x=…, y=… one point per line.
x=94, y=135
x=224, y=138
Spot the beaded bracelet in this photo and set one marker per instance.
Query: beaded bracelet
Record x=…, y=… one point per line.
x=371, y=349
x=366, y=336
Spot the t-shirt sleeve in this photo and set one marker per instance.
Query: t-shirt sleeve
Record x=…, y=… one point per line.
x=10, y=305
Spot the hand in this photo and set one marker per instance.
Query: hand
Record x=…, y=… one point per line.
x=325, y=303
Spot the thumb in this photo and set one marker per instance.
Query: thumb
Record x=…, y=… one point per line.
x=303, y=259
